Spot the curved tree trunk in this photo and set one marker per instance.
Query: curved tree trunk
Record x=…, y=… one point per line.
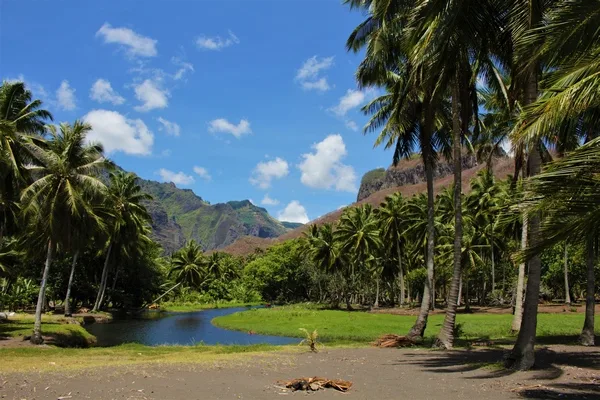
x=566, y=268
x=418, y=329
x=36, y=337
x=493, y=262
x=516, y=322
x=460, y=285
x=587, y=334
x=103, y=280
x=376, y=304
x=70, y=284
x=445, y=339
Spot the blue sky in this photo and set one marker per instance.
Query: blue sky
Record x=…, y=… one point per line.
x=233, y=99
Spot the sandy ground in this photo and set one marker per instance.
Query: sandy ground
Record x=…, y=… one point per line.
x=565, y=372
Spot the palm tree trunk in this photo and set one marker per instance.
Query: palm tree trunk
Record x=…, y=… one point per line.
x=516, y=322
x=70, y=284
x=376, y=304
x=566, y=268
x=522, y=356
x=493, y=262
x=587, y=334
x=401, y=273
x=100, y=296
x=418, y=329
x=36, y=337
x=165, y=293
x=460, y=285
x=445, y=339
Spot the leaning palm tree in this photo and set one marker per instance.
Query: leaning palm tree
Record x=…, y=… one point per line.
x=127, y=220
x=65, y=178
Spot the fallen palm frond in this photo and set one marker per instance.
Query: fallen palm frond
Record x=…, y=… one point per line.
x=391, y=340
x=316, y=383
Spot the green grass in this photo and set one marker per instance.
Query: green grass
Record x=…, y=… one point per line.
x=361, y=327
x=55, y=358
x=188, y=307
x=57, y=327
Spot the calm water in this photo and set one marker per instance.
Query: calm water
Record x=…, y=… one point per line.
x=155, y=328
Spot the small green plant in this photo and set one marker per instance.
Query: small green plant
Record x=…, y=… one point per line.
x=311, y=340
x=573, y=309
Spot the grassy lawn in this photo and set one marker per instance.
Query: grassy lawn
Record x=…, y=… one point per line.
x=60, y=359
x=188, y=307
x=335, y=326
x=55, y=326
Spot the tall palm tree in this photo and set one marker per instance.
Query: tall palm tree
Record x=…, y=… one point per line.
x=393, y=223
x=65, y=178
x=127, y=220
x=359, y=237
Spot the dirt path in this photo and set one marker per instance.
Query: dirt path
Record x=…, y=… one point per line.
x=565, y=373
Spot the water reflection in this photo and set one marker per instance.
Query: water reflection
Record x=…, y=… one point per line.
x=155, y=328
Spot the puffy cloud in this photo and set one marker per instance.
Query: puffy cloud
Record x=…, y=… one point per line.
x=136, y=44
x=216, y=42
x=178, y=178
x=118, y=133
x=183, y=68
x=65, y=96
x=171, y=128
x=267, y=201
x=320, y=85
x=293, y=212
x=351, y=125
x=265, y=172
x=103, y=92
x=308, y=74
x=323, y=168
x=352, y=99
x=202, y=173
x=312, y=67
x=151, y=96
x=222, y=125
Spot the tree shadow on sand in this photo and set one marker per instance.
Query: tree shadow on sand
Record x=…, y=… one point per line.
x=488, y=364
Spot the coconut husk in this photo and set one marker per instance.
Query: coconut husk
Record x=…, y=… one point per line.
x=316, y=383
x=391, y=340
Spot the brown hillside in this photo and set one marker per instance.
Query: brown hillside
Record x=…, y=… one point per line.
x=248, y=244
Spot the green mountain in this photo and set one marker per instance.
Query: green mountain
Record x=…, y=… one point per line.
x=179, y=215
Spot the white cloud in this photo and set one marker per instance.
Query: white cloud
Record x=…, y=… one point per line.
x=103, y=92
x=267, y=201
x=118, y=133
x=171, y=128
x=183, y=68
x=352, y=99
x=217, y=42
x=312, y=67
x=222, y=125
x=323, y=168
x=151, y=96
x=294, y=212
x=178, y=178
x=203, y=173
x=65, y=96
x=351, y=125
x=320, y=85
x=136, y=44
x=265, y=172
x=308, y=74
x=166, y=153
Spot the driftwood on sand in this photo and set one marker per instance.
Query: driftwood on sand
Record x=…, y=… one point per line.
x=317, y=383
x=391, y=340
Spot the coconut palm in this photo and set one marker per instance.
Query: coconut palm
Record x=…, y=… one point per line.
x=127, y=220
x=189, y=266
x=393, y=224
x=65, y=178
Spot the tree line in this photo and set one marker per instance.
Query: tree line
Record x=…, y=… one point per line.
x=478, y=74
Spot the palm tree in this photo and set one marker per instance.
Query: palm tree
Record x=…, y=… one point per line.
x=66, y=177
x=127, y=220
x=358, y=235
x=392, y=220
x=189, y=266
